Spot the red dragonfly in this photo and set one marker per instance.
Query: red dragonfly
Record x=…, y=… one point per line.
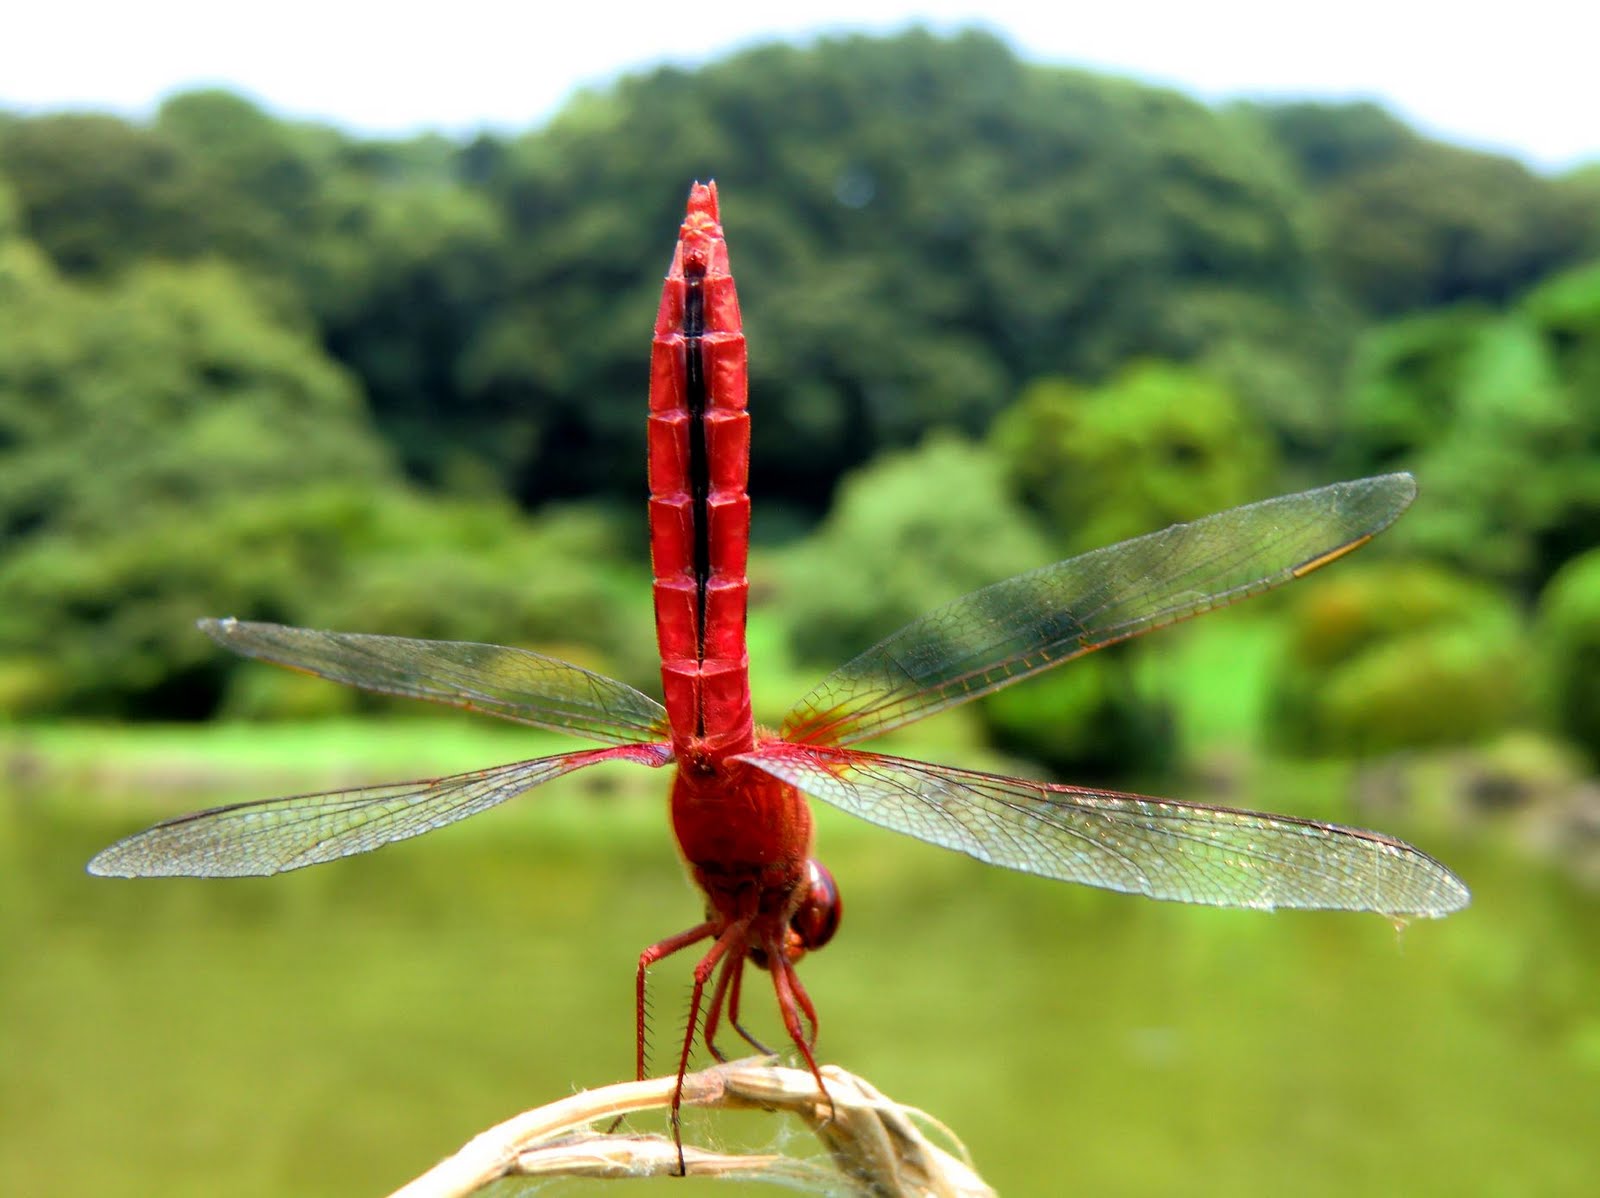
x=740, y=793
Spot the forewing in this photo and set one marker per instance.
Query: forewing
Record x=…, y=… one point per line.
x=1013, y=629
x=514, y=684
x=276, y=835
x=1161, y=848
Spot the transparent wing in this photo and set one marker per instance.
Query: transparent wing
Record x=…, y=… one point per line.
x=511, y=683
x=276, y=835
x=1006, y=632
x=1165, y=849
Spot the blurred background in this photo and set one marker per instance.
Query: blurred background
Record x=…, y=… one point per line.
x=270, y=349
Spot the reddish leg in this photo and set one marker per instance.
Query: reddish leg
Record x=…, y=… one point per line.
x=702, y=974
x=733, y=1017
x=804, y=1000
x=732, y=969
x=731, y=935
x=792, y=1001
x=648, y=958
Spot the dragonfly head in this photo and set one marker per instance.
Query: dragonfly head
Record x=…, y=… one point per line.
x=815, y=919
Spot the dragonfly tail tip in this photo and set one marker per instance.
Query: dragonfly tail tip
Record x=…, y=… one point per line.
x=703, y=199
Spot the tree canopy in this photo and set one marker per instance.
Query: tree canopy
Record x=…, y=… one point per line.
x=269, y=368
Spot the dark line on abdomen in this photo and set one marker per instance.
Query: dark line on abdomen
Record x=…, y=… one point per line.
x=696, y=399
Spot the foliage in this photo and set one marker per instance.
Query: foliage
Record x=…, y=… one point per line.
x=233, y=472
x=168, y=391
x=1408, y=223
x=923, y=526
x=98, y=194
x=1152, y=446
x=1566, y=311
x=1569, y=644
x=913, y=530
x=923, y=224
x=244, y=360
x=117, y=613
x=1327, y=143
x=135, y=423
x=1087, y=721
x=10, y=218
x=1396, y=656
x=414, y=275
x=272, y=171
x=1579, y=192
x=1469, y=398
x=1445, y=225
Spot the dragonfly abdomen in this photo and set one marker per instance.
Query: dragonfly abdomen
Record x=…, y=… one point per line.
x=699, y=443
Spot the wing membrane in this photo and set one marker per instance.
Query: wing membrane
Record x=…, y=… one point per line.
x=1161, y=848
x=1013, y=629
x=276, y=835
x=514, y=684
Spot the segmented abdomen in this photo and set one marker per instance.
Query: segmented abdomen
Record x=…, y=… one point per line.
x=699, y=448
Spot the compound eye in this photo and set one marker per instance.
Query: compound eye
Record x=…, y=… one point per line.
x=817, y=918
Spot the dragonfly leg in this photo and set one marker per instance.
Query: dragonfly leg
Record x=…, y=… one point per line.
x=732, y=970
x=648, y=958
x=733, y=1018
x=731, y=935
x=804, y=1000
x=792, y=1002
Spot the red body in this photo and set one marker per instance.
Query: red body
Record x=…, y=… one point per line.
x=745, y=835
x=699, y=462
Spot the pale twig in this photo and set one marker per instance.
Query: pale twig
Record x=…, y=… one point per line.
x=877, y=1147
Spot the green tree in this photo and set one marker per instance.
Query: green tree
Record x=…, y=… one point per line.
x=1569, y=644
x=1469, y=399
x=272, y=167
x=913, y=530
x=129, y=417
x=412, y=278
x=1565, y=312
x=1155, y=445
x=98, y=194
x=920, y=527
x=1330, y=142
x=10, y=215
x=1397, y=656
x=1579, y=193
x=1441, y=225
x=168, y=390
x=1407, y=223
x=920, y=224
x=266, y=190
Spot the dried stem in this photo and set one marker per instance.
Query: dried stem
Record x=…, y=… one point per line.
x=876, y=1145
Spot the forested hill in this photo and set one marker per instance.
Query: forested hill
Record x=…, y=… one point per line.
x=261, y=366
x=921, y=226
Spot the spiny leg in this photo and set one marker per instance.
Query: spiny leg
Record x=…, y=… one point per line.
x=732, y=968
x=731, y=935
x=792, y=1000
x=648, y=958
x=804, y=999
x=733, y=1017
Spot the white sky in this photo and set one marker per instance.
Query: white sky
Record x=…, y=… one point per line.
x=1520, y=78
